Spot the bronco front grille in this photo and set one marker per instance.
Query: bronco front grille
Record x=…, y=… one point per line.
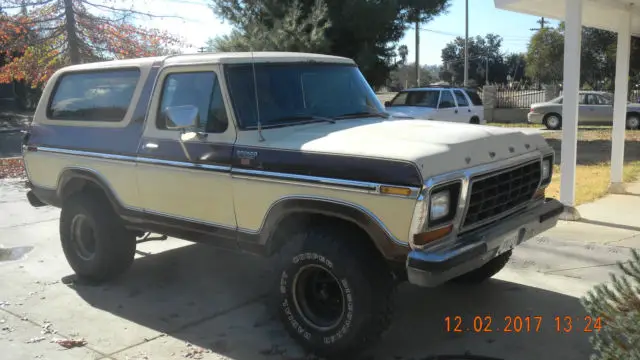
x=498, y=193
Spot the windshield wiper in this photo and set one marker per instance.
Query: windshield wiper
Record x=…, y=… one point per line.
x=297, y=119
x=362, y=114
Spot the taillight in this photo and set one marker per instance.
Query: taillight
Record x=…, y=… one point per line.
x=531, y=110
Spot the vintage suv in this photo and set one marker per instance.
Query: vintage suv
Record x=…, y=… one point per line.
x=289, y=154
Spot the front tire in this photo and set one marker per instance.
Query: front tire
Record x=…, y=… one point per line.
x=552, y=121
x=486, y=271
x=336, y=293
x=95, y=242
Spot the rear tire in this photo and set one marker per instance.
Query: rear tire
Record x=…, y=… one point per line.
x=95, y=242
x=552, y=121
x=474, y=120
x=336, y=293
x=486, y=271
x=633, y=122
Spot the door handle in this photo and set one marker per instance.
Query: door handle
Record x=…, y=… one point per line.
x=150, y=146
x=468, y=110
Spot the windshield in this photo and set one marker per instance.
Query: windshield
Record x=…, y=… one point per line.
x=422, y=98
x=290, y=93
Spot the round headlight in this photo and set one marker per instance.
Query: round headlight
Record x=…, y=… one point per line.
x=439, y=205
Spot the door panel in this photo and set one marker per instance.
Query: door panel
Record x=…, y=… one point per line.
x=465, y=110
x=603, y=109
x=188, y=180
x=447, y=108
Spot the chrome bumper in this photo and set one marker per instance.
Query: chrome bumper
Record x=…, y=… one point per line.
x=474, y=249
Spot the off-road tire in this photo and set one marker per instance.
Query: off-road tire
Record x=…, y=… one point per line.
x=550, y=125
x=486, y=271
x=365, y=282
x=114, y=247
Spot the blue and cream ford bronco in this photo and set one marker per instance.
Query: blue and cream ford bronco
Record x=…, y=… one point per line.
x=289, y=154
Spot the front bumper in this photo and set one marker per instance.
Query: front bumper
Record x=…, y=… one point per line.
x=476, y=248
x=534, y=118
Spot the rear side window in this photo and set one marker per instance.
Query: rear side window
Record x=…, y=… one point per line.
x=446, y=100
x=460, y=98
x=475, y=98
x=93, y=96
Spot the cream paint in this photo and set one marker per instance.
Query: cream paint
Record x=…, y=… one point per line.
x=436, y=147
x=204, y=196
x=45, y=169
x=254, y=197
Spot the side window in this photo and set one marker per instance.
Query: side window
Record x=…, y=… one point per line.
x=446, y=100
x=93, y=96
x=476, y=100
x=462, y=100
x=603, y=100
x=400, y=99
x=198, y=89
x=583, y=99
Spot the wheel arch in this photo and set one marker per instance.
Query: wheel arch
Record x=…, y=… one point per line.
x=289, y=214
x=634, y=113
x=75, y=179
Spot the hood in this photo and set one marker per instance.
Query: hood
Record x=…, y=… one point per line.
x=413, y=111
x=436, y=147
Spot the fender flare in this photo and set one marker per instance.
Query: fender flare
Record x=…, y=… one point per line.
x=68, y=175
x=386, y=243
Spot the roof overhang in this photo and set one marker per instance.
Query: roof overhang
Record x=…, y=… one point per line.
x=601, y=14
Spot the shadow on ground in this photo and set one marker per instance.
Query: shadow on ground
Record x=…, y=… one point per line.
x=193, y=295
x=597, y=151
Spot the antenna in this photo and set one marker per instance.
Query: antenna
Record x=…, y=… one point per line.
x=255, y=89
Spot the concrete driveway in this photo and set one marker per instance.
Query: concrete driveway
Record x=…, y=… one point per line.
x=182, y=300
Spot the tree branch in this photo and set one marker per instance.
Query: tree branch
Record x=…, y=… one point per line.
x=19, y=6
x=130, y=11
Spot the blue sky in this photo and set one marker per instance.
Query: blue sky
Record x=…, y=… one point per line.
x=199, y=24
x=483, y=18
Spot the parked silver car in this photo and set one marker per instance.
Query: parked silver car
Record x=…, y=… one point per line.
x=595, y=107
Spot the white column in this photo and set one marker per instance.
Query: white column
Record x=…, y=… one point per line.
x=570, y=88
x=620, y=100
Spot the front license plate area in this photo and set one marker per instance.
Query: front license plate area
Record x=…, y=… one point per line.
x=511, y=241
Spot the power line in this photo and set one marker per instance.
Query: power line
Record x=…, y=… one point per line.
x=459, y=35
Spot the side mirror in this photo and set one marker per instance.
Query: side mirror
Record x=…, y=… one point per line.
x=387, y=103
x=181, y=117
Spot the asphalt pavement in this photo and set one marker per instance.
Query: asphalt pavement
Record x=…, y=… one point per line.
x=184, y=300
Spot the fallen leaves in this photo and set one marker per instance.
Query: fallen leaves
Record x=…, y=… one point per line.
x=70, y=343
x=12, y=168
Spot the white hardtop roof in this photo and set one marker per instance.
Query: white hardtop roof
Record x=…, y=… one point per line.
x=216, y=58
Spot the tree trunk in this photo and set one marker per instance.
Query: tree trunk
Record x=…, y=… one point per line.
x=72, y=36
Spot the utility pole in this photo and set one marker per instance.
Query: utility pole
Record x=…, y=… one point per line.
x=542, y=23
x=201, y=49
x=418, y=51
x=466, y=42
x=486, y=71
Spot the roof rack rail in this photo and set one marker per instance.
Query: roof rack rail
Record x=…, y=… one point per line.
x=198, y=53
